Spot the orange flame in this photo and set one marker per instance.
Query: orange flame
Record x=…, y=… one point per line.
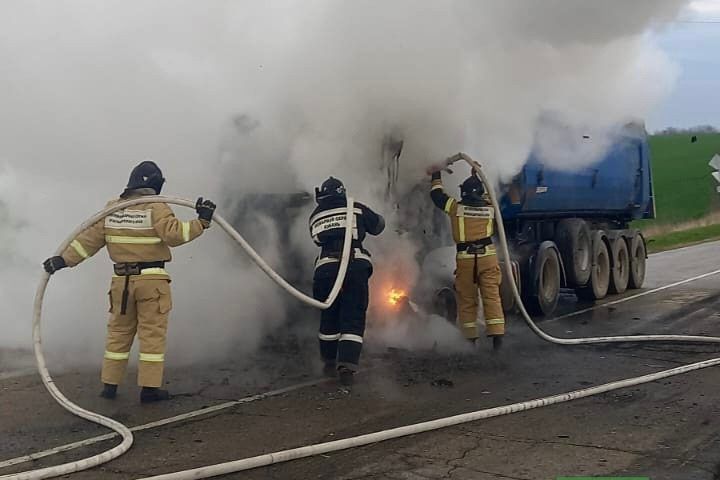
x=394, y=296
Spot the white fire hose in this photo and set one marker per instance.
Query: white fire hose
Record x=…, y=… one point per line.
x=322, y=448
x=122, y=430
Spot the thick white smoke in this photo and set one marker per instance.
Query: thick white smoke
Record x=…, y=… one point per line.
x=236, y=97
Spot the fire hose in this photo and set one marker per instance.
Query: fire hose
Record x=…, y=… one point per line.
x=322, y=448
x=122, y=430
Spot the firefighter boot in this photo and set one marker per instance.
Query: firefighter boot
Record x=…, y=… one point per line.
x=475, y=344
x=330, y=370
x=109, y=391
x=346, y=376
x=497, y=341
x=153, y=394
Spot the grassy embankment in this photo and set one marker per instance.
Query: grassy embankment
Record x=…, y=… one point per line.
x=688, y=207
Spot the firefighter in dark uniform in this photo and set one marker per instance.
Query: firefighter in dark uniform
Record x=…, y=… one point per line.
x=473, y=221
x=342, y=326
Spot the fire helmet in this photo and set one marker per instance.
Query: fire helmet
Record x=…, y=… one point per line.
x=472, y=190
x=330, y=188
x=146, y=175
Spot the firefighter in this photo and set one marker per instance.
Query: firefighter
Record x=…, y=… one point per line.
x=138, y=240
x=342, y=326
x=472, y=220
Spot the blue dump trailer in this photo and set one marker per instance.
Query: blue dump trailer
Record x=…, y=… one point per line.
x=567, y=229
x=571, y=228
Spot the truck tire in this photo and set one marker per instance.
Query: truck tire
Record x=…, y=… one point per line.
x=620, y=273
x=546, y=291
x=638, y=259
x=599, y=282
x=574, y=240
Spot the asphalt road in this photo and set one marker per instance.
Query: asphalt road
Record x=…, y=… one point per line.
x=664, y=430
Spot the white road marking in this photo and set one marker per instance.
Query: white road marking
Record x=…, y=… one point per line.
x=633, y=297
x=158, y=423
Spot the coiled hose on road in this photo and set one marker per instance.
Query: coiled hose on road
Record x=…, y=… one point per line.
x=317, y=449
x=122, y=430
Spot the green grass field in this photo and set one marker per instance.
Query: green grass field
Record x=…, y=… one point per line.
x=684, y=188
x=690, y=236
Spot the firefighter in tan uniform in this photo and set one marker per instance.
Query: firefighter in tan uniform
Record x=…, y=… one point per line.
x=138, y=240
x=472, y=221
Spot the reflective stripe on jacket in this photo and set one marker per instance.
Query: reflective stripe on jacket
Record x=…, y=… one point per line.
x=141, y=233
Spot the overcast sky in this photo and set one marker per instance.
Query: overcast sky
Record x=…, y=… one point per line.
x=693, y=43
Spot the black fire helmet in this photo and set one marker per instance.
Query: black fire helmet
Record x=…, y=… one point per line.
x=330, y=188
x=472, y=190
x=146, y=175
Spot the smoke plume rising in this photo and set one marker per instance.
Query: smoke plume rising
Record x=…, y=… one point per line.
x=238, y=97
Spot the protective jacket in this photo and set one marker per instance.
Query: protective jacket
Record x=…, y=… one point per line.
x=327, y=229
x=476, y=259
x=143, y=233
x=472, y=225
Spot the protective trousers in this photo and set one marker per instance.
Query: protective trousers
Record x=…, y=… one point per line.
x=148, y=307
x=466, y=290
x=342, y=326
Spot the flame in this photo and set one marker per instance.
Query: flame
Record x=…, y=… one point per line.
x=394, y=296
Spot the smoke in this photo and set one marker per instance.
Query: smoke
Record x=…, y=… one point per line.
x=234, y=98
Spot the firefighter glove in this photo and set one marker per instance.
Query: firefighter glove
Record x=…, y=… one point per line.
x=437, y=168
x=432, y=170
x=53, y=264
x=205, y=210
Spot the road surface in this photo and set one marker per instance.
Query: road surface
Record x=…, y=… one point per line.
x=664, y=430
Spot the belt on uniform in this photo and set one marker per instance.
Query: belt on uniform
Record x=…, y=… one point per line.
x=475, y=248
x=469, y=247
x=127, y=270
x=335, y=257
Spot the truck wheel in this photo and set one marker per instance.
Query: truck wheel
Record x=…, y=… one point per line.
x=445, y=304
x=544, y=299
x=597, y=287
x=574, y=240
x=620, y=273
x=638, y=258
